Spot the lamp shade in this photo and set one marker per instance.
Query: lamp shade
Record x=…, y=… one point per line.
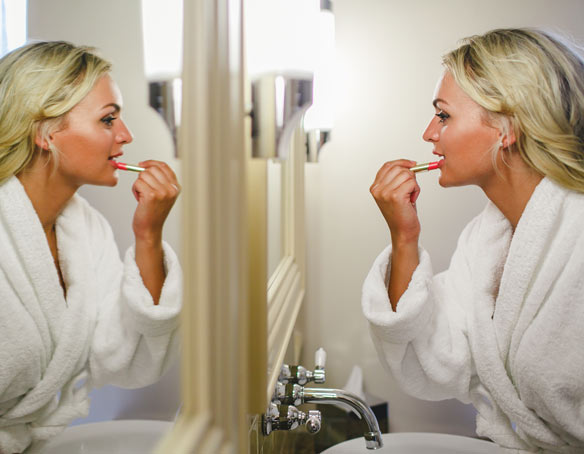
x=320, y=115
x=162, y=27
x=280, y=36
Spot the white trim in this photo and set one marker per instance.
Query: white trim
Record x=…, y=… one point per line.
x=287, y=285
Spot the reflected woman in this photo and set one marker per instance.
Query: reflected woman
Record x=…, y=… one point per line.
x=502, y=327
x=74, y=316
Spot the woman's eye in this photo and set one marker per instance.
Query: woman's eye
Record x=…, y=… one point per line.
x=443, y=116
x=109, y=120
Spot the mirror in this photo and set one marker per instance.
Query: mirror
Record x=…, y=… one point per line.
x=60, y=20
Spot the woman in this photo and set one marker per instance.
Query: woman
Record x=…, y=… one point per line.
x=73, y=315
x=502, y=327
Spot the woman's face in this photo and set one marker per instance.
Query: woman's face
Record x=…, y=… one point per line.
x=93, y=133
x=461, y=136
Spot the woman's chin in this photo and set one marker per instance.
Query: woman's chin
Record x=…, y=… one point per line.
x=111, y=181
x=443, y=181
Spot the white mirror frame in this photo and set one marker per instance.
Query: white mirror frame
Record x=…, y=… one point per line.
x=215, y=326
x=286, y=286
x=232, y=331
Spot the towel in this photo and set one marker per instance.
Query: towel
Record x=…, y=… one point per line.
x=501, y=328
x=54, y=349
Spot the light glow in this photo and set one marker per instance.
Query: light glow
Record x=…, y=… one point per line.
x=162, y=28
x=320, y=115
x=280, y=36
x=12, y=25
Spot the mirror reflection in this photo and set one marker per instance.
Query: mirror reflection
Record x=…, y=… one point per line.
x=90, y=282
x=275, y=213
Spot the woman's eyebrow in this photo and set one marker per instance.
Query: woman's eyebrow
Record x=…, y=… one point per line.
x=117, y=107
x=436, y=101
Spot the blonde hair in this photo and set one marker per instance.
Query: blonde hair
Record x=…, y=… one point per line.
x=532, y=82
x=39, y=84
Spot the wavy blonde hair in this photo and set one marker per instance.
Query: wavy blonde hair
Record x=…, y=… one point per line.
x=532, y=82
x=39, y=84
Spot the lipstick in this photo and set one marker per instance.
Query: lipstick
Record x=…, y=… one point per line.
x=426, y=166
x=124, y=166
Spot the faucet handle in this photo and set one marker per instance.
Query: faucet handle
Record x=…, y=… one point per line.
x=300, y=375
x=320, y=358
x=294, y=374
x=270, y=419
x=287, y=394
x=319, y=375
x=314, y=421
x=275, y=419
x=285, y=374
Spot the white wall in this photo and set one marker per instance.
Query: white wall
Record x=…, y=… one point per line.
x=114, y=27
x=388, y=63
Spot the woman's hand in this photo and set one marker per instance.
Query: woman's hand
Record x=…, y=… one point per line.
x=395, y=190
x=156, y=189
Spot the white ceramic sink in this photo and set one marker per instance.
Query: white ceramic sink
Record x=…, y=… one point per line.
x=110, y=437
x=418, y=443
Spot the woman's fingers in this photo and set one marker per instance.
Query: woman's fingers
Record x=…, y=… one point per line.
x=395, y=191
x=156, y=189
x=162, y=166
x=162, y=172
x=392, y=165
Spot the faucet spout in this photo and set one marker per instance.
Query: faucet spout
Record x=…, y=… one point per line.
x=373, y=438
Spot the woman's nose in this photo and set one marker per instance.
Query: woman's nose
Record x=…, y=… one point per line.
x=124, y=134
x=432, y=132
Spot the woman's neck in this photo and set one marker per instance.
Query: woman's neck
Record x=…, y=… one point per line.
x=511, y=190
x=46, y=192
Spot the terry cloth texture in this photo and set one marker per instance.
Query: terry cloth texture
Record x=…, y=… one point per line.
x=53, y=349
x=502, y=328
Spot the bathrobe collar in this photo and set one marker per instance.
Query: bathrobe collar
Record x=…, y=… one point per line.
x=502, y=304
x=63, y=326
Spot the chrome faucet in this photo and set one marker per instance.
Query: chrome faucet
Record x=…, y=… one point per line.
x=373, y=438
x=292, y=394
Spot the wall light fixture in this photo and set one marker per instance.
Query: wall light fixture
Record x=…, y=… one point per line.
x=162, y=27
x=283, y=55
x=319, y=120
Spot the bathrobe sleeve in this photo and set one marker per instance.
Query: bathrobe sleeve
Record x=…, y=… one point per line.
x=134, y=341
x=424, y=344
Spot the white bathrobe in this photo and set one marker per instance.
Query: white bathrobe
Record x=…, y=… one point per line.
x=502, y=328
x=55, y=349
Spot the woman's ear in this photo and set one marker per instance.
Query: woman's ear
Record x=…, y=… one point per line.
x=507, y=134
x=508, y=139
x=41, y=142
x=43, y=138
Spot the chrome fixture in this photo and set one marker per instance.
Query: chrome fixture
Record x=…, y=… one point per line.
x=165, y=98
x=162, y=34
x=315, y=140
x=318, y=121
x=326, y=5
x=289, y=418
x=300, y=375
x=293, y=394
x=372, y=437
x=290, y=394
x=279, y=102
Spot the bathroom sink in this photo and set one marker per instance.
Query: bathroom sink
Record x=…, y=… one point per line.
x=110, y=437
x=418, y=443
